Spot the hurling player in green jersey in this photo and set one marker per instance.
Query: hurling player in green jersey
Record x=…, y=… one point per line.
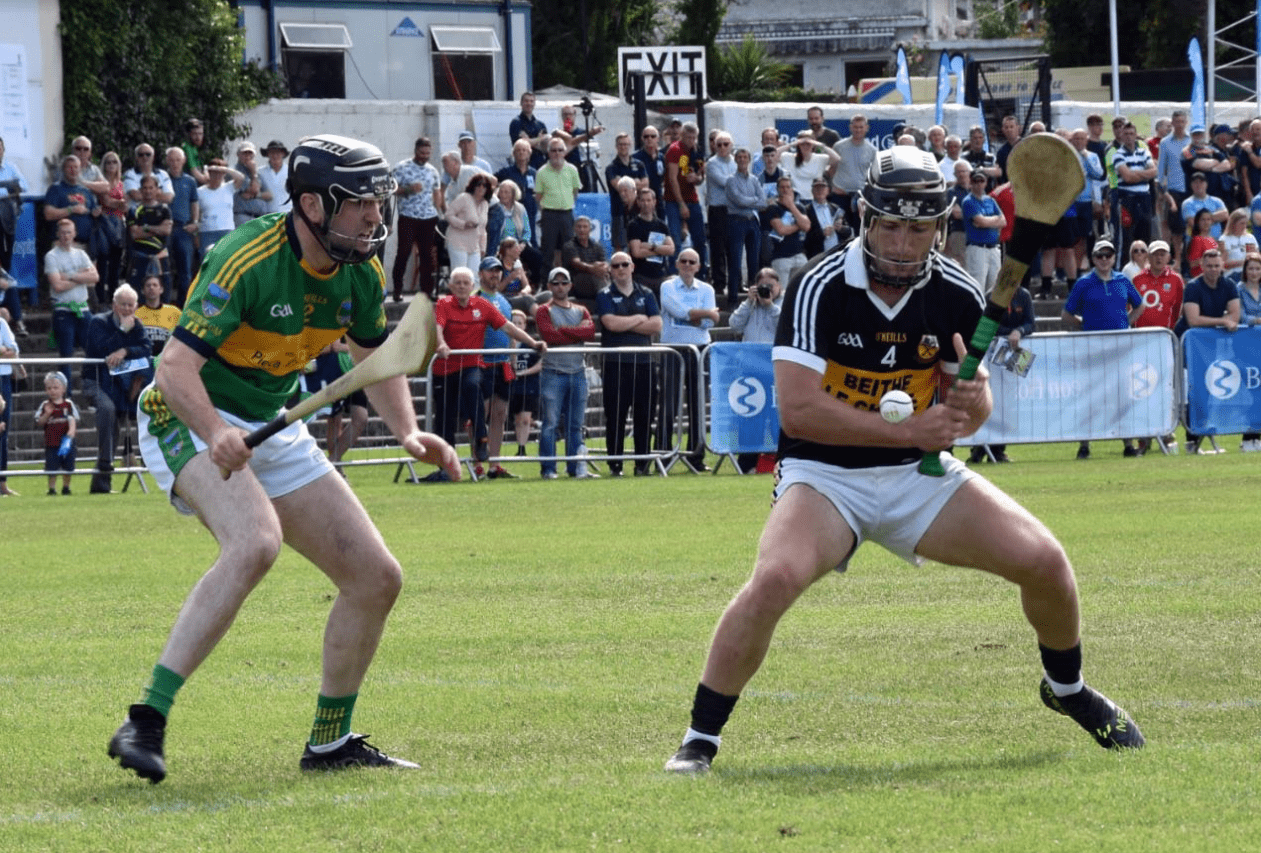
x=282, y=284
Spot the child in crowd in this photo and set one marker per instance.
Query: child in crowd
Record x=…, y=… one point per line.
x=59, y=417
x=523, y=394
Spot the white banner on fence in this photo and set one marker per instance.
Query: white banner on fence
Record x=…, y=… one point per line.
x=1084, y=386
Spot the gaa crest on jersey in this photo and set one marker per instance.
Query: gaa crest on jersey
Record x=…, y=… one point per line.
x=173, y=443
x=344, y=313
x=927, y=349
x=214, y=299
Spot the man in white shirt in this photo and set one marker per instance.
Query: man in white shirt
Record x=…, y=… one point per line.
x=688, y=312
x=145, y=166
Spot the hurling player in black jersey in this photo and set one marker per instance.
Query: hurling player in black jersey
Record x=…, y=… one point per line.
x=889, y=312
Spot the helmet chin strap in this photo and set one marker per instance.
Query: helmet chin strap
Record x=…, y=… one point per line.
x=323, y=233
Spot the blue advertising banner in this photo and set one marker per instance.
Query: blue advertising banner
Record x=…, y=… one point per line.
x=1223, y=380
x=943, y=86
x=595, y=206
x=903, y=78
x=744, y=416
x=24, y=267
x=880, y=130
x=1196, y=64
x=1083, y=386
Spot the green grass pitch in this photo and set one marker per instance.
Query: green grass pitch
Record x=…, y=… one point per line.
x=541, y=661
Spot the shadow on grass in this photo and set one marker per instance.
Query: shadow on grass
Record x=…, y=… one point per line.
x=893, y=773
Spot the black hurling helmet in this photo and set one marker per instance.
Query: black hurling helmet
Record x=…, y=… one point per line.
x=903, y=183
x=338, y=169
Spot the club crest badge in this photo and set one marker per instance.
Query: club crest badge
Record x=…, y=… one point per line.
x=214, y=299
x=928, y=348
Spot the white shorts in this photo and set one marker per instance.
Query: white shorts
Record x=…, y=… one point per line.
x=284, y=463
x=892, y=505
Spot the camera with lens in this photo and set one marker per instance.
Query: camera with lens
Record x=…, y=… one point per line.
x=763, y=291
x=586, y=106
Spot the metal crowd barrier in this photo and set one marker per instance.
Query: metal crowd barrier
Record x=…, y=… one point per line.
x=662, y=458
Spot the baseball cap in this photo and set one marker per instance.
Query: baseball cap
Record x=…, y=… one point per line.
x=1157, y=246
x=490, y=262
x=1223, y=128
x=978, y=175
x=466, y=134
x=1199, y=176
x=558, y=272
x=1104, y=246
x=819, y=182
x=1197, y=128
x=246, y=146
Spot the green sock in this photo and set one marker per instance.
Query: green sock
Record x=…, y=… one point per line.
x=159, y=693
x=332, y=718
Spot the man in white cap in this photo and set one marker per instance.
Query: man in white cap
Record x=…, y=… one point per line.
x=250, y=201
x=563, y=382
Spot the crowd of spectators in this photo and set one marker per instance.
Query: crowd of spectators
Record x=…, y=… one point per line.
x=737, y=217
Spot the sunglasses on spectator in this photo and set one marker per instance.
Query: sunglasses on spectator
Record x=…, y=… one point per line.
x=687, y=261
x=617, y=265
x=1105, y=254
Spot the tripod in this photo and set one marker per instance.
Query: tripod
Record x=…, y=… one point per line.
x=588, y=171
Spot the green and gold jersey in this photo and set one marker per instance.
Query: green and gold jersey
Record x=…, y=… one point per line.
x=258, y=314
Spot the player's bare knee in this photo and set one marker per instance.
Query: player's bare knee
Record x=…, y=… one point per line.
x=379, y=582
x=255, y=552
x=777, y=582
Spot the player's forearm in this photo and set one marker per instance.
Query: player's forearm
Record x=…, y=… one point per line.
x=392, y=399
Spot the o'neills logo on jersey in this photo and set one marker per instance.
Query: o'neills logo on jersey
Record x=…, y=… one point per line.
x=928, y=348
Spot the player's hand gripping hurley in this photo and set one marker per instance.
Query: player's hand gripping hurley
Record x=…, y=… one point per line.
x=408, y=350
x=1046, y=177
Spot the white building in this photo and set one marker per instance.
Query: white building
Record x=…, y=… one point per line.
x=834, y=45
x=390, y=50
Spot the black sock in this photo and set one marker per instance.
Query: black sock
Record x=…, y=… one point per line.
x=1046, y=283
x=1063, y=667
x=710, y=710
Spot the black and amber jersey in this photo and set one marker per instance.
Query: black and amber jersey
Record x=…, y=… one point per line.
x=862, y=348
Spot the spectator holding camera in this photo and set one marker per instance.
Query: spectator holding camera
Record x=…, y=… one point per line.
x=59, y=418
x=757, y=316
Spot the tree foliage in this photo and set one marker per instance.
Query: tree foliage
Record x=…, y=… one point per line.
x=575, y=41
x=135, y=70
x=746, y=71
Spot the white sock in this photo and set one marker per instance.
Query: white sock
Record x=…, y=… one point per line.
x=693, y=734
x=330, y=747
x=1065, y=689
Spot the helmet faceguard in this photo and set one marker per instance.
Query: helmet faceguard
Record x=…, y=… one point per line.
x=904, y=184
x=339, y=169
